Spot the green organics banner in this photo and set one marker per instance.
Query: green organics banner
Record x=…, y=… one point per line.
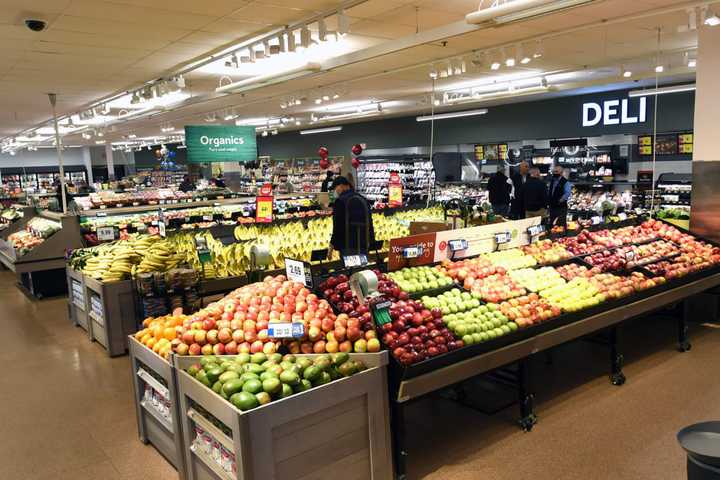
x=220, y=143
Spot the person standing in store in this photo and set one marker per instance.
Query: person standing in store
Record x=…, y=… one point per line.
x=535, y=195
x=558, y=196
x=219, y=182
x=517, y=208
x=187, y=185
x=353, y=230
x=325, y=187
x=500, y=189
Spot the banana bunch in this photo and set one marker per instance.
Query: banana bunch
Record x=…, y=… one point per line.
x=112, y=262
x=159, y=257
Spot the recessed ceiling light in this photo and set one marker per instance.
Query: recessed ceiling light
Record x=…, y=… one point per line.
x=692, y=63
x=660, y=69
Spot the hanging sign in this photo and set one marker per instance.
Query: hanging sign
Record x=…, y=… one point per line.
x=395, y=192
x=220, y=143
x=106, y=234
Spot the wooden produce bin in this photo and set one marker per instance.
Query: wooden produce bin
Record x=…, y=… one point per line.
x=337, y=430
x=111, y=313
x=77, y=299
x=163, y=431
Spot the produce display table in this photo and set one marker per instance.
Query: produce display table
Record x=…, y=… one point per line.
x=156, y=403
x=410, y=383
x=337, y=430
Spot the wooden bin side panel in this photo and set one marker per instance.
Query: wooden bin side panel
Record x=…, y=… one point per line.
x=336, y=428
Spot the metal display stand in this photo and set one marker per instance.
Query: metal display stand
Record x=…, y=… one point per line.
x=111, y=313
x=337, y=430
x=151, y=371
x=406, y=386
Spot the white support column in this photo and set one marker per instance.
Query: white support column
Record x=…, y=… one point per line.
x=87, y=161
x=110, y=164
x=707, y=100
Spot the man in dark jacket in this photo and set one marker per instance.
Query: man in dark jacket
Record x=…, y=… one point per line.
x=353, y=230
x=517, y=209
x=558, y=195
x=187, y=185
x=499, y=189
x=535, y=195
x=325, y=187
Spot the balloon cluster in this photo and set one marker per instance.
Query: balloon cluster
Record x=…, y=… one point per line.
x=356, y=151
x=323, y=152
x=166, y=158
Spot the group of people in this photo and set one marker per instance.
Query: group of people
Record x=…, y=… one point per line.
x=524, y=194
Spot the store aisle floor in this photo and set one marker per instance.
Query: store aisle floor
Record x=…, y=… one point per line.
x=68, y=412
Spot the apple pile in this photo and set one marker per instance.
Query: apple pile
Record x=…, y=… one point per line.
x=336, y=290
x=546, y=252
x=417, y=333
x=668, y=232
x=581, y=244
x=420, y=279
x=606, y=238
x=466, y=271
x=572, y=270
x=480, y=324
x=529, y=310
x=497, y=288
x=638, y=255
x=452, y=301
x=576, y=295
x=538, y=279
x=607, y=261
x=511, y=259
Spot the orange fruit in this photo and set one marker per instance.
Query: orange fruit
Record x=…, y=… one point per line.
x=169, y=333
x=150, y=342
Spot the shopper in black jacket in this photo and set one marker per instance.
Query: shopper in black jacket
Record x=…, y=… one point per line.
x=535, y=195
x=325, y=187
x=517, y=209
x=499, y=189
x=558, y=195
x=353, y=230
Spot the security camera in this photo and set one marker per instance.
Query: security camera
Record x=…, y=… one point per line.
x=36, y=25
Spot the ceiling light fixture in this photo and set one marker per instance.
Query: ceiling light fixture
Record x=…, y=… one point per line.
x=322, y=30
x=291, y=41
x=539, y=49
x=305, y=37
x=320, y=130
x=660, y=69
x=433, y=74
x=711, y=20
x=269, y=79
x=692, y=62
x=443, y=116
x=509, y=61
x=625, y=72
x=662, y=91
x=520, y=10
x=524, y=59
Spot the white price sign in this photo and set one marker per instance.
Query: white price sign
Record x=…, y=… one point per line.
x=503, y=237
x=457, y=245
x=106, y=234
x=208, y=218
x=296, y=271
x=286, y=330
x=161, y=229
x=597, y=220
x=351, y=261
x=536, y=230
x=622, y=216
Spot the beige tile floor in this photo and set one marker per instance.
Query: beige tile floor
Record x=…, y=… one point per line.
x=67, y=411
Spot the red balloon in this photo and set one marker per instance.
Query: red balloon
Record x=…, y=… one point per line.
x=324, y=163
x=158, y=153
x=355, y=163
x=357, y=149
x=323, y=152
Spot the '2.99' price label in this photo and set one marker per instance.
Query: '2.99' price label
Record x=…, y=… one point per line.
x=298, y=271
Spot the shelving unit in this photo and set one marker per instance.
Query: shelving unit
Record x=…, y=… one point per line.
x=416, y=173
x=674, y=190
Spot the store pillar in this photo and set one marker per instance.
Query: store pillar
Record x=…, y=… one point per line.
x=87, y=162
x=705, y=214
x=110, y=163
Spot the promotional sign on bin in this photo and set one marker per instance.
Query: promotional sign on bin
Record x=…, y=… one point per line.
x=395, y=190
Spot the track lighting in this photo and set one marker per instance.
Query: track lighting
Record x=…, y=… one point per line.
x=305, y=37
x=539, y=49
x=524, y=59
x=433, y=74
x=292, y=46
x=509, y=61
x=322, y=30
x=343, y=23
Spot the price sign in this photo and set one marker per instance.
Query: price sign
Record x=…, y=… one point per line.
x=106, y=234
x=457, y=245
x=351, y=261
x=412, y=252
x=298, y=271
x=286, y=330
x=536, y=230
x=381, y=315
x=263, y=209
x=161, y=229
x=503, y=237
x=596, y=220
x=101, y=214
x=245, y=213
x=207, y=218
x=629, y=255
x=622, y=216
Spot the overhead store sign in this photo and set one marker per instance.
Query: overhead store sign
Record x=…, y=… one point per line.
x=220, y=143
x=614, y=112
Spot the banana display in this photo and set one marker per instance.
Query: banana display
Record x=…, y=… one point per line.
x=124, y=259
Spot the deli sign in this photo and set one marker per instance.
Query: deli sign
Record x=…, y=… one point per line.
x=614, y=112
